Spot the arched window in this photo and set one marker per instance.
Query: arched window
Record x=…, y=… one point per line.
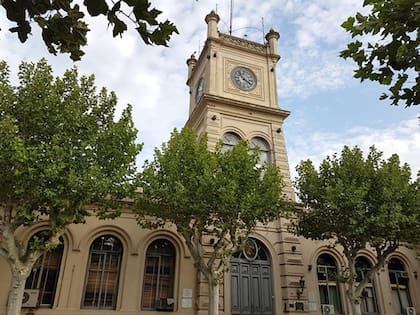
x=329, y=291
x=398, y=278
x=230, y=139
x=159, y=273
x=44, y=275
x=368, y=305
x=101, y=284
x=264, y=150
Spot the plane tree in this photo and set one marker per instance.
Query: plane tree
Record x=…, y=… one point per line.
x=64, y=26
x=358, y=203
x=214, y=199
x=61, y=149
x=385, y=47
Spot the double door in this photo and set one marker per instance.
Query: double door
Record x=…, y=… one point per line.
x=251, y=287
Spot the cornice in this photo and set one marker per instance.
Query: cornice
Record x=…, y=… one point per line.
x=209, y=98
x=230, y=40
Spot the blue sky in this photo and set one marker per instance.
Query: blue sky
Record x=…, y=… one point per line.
x=328, y=107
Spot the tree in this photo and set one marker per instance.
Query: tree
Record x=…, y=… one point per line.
x=358, y=203
x=60, y=150
x=64, y=28
x=218, y=196
x=389, y=53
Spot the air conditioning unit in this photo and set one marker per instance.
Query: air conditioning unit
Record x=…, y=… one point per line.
x=30, y=298
x=327, y=309
x=165, y=304
x=321, y=269
x=410, y=311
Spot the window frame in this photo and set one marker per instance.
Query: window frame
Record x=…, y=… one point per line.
x=331, y=285
x=227, y=145
x=105, y=256
x=399, y=273
x=361, y=272
x=38, y=278
x=264, y=150
x=167, y=260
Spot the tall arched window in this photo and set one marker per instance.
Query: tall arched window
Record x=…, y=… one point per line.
x=44, y=275
x=399, y=286
x=264, y=150
x=230, y=139
x=329, y=291
x=159, y=274
x=369, y=305
x=101, y=284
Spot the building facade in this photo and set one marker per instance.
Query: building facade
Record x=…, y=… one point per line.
x=116, y=267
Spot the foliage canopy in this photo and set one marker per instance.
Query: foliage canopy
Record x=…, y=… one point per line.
x=389, y=52
x=359, y=203
x=64, y=27
x=60, y=151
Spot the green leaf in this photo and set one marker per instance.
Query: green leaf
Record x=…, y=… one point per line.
x=96, y=7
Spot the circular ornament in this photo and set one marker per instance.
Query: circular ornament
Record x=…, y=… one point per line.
x=243, y=78
x=250, y=250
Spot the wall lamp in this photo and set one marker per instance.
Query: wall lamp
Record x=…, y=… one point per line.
x=299, y=290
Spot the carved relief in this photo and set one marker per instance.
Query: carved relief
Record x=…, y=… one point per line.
x=227, y=39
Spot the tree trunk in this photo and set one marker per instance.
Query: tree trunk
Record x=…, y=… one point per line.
x=355, y=307
x=17, y=286
x=213, y=296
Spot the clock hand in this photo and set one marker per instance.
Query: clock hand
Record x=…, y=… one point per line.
x=245, y=79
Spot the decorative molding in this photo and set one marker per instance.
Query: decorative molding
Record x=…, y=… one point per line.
x=236, y=41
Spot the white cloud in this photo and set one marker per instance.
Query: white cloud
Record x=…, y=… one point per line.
x=402, y=138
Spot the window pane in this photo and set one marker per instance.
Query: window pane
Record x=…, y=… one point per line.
x=230, y=139
x=264, y=150
x=158, y=280
x=396, y=302
x=101, y=285
x=334, y=298
x=44, y=276
x=327, y=282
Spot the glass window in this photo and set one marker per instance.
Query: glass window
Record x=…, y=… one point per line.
x=101, y=284
x=368, y=305
x=44, y=275
x=230, y=139
x=159, y=272
x=327, y=282
x=264, y=150
x=399, y=285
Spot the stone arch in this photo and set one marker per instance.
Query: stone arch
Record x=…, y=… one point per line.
x=180, y=246
x=403, y=258
x=262, y=135
x=67, y=235
x=331, y=251
x=233, y=129
x=124, y=237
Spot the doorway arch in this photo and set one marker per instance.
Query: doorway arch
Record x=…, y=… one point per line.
x=251, y=280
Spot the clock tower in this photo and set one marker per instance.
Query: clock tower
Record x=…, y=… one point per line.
x=233, y=96
x=233, y=89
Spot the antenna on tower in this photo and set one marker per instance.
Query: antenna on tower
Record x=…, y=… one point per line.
x=231, y=15
x=263, y=31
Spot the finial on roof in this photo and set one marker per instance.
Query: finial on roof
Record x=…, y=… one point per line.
x=212, y=16
x=212, y=19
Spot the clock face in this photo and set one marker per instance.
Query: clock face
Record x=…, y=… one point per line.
x=244, y=78
x=199, y=90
